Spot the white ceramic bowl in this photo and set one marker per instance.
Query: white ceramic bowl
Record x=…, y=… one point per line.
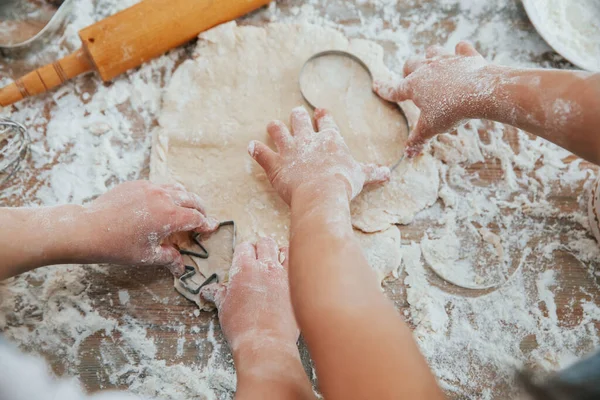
x=564, y=39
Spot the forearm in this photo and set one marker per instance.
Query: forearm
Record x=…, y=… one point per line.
x=358, y=342
x=33, y=237
x=270, y=371
x=560, y=106
x=326, y=259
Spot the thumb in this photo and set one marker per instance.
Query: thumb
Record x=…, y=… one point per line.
x=375, y=173
x=284, y=257
x=214, y=293
x=170, y=257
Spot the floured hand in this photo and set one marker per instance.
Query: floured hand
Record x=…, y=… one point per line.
x=129, y=223
x=256, y=307
x=447, y=88
x=309, y=158
x=256, y=316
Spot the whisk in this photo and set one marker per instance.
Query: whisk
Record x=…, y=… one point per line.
x=14, y=143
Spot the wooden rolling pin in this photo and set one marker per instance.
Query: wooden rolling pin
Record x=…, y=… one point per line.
x=128, y=39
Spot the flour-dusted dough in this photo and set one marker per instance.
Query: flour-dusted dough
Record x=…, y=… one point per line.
x=243, y=77
x=413, y=187
x=382, y=250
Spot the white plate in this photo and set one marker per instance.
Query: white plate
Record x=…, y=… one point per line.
x=563, y=39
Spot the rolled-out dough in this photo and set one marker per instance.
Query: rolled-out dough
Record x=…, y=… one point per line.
x=243, y=77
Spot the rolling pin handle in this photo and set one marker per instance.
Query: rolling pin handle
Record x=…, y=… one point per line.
x=46, y=78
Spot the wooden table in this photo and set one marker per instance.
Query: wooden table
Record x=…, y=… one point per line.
x=155, y=304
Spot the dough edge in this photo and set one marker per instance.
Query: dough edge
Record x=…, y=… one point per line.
x=384, y=230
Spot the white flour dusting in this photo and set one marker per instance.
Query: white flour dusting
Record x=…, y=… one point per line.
x=124, y=297
x=89, y=136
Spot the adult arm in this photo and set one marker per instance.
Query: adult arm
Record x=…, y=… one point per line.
x=125, y=226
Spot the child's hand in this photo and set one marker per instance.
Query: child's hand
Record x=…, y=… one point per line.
x=306, y=157
x=448, y=88
x=256, y=307
x=128, y=224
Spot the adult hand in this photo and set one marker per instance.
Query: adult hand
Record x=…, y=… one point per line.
x=128, y=224
x=312, y=158
x=447, y=88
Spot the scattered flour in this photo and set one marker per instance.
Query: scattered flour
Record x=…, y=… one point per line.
x=123, y=297
x=88, y=136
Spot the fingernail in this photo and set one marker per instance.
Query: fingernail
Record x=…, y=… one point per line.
x=299, y=109
x=213, y=223
x=252, y=148
x=411, y=152
x=176, y=269
x=208, y=293
x=378, y=174
x=213, y=294
x=385, y=173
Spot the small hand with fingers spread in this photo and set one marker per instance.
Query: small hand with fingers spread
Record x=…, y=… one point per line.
x=306, y=157
x=447, y=88
x=130, y=222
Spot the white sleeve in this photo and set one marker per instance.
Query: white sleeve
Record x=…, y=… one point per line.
x=26, y=377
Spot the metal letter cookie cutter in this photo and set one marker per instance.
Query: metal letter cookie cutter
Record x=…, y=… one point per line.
x=357, y=60
x=187, y=280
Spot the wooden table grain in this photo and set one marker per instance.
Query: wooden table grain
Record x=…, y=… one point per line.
x=152, y=298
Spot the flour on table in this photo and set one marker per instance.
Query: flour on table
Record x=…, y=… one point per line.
x=81, y=147
x=244, y=77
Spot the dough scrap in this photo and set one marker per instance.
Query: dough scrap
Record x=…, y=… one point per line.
x=243, y=77
x=413, y=187
x=382, y=250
